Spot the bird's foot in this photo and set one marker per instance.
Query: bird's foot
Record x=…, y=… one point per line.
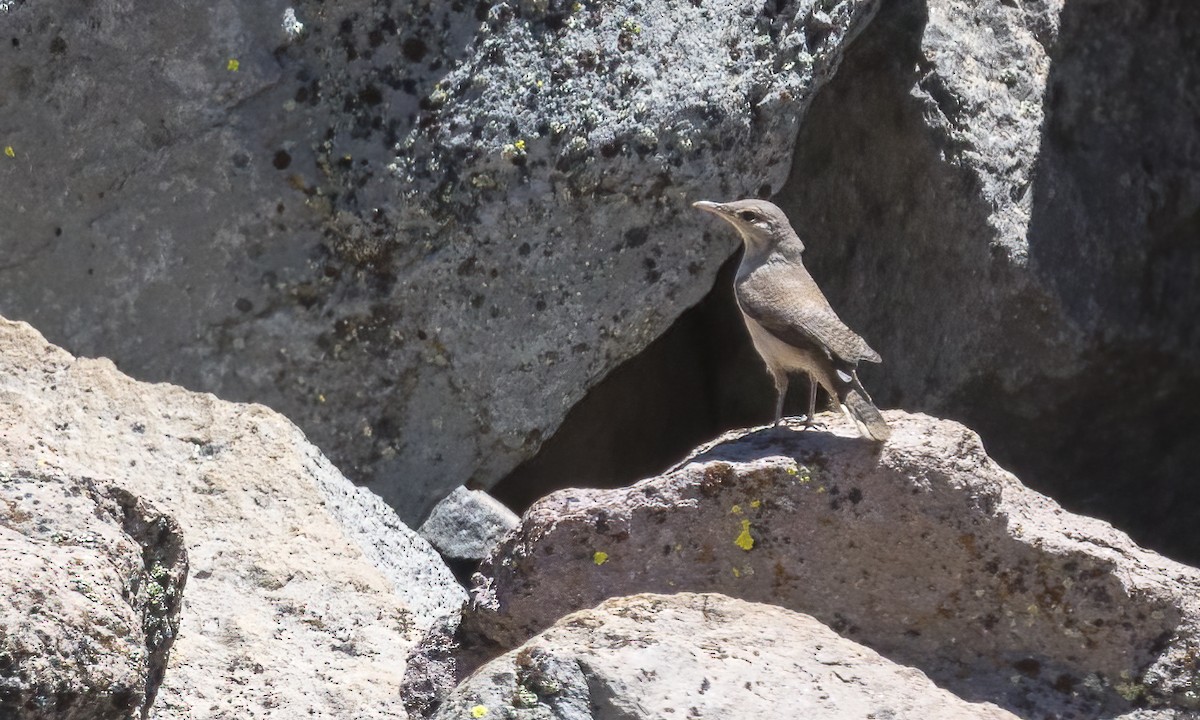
x=810, y=422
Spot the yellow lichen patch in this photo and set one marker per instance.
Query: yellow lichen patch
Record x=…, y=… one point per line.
x=756, y=504
x=478, y=711
x=8, y=150
x=232, y=65
x=735, y=510
x=744, y=540
x=599, y=557
x=736, y=573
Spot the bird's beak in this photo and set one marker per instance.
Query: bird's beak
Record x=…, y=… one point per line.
x=706, y=206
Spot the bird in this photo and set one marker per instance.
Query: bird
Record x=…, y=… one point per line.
x=792, y=325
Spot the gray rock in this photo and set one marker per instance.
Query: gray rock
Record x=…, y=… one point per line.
x=91, y=585
x=285, y=613
x=699, y=655
x=421, y=230
x=922, y=549
x=467, y=524
x=997, y=196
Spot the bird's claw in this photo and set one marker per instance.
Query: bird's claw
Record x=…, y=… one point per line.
x=810, y=423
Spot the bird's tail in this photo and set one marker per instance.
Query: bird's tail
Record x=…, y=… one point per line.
x=857, y=405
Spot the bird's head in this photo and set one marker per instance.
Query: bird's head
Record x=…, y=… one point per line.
x=761, y=224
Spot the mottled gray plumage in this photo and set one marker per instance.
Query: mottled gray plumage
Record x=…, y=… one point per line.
x=791, y=323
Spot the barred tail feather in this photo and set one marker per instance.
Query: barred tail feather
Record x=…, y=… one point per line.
x=865, y=415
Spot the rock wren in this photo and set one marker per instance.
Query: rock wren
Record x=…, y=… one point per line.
x=791, y=323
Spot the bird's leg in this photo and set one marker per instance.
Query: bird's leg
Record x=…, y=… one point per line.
x=781, y=383
x=811, y=419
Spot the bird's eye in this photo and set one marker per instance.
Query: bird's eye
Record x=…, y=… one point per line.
x=748, y=216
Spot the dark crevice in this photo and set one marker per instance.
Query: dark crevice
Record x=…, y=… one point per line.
x=699, y=378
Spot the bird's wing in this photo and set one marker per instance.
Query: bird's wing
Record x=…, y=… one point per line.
x=797, y=313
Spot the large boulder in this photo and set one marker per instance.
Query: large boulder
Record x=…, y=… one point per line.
x=923, y=549
x=91, y=585
x=421, y=230
x=1004, y=199
x=305, y=593
x=704, y=656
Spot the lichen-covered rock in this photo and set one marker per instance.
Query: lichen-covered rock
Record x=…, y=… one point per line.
x=699, y=655
x=421, y=230
x=91, y=584
x=922, y=548
x=305, y=593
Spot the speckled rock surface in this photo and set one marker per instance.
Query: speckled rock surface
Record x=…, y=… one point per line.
x=91, y=584
x=1003, y=197
x=467, y=524
x=700, y=655
x=420, y=230
x=924, y=550
x=285, y=614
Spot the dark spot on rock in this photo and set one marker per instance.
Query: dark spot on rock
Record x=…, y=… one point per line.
x=765, y=190
x=279, y=209
x=124, y=699
x=58, y=46
x=346, y=27
x=540, y=304
x=370, y=96
x=466, y=267
x=414, y=49
x=524, y=249
x=282, y=160
x=241, y=160
x=635, y=237
x=1028, y=667
x=602, y=522
x=16, y=43
x=57, y=232
x=375, y=38
x=243, y=305
x=477, y=301
x=855, y=496
x=610, y=150
x=421, y=335
x=481, y=10
x=913, y=633
x=1065, y=683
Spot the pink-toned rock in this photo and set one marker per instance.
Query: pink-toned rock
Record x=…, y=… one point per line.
x=923, y=549
x=700, y=656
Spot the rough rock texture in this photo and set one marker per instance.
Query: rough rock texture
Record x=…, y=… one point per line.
x=924, y=550
x=467, y=524
x=699, y=655
x=1004, y=197
x=285, y=615
x=91, y=583
x=421, y=230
